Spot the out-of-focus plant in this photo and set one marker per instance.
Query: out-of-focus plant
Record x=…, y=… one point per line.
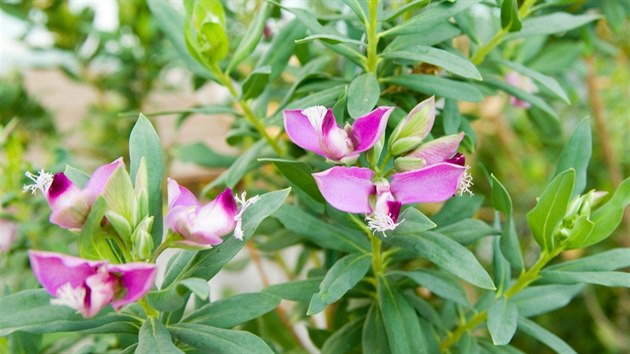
x=379, y=102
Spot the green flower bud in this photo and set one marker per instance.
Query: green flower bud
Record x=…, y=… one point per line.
x=119, y=223
x=404, y=145
x=142, y=246
x=417, y=124
x=374, y=154
x=403, y=164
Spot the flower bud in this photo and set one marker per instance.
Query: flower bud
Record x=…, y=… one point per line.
x=404, y=145
x=119, y=223
x=142, y=240
x=374, y=154
x=417, y=123
x=405, y=163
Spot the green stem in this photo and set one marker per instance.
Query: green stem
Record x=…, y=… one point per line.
x=378, y=265
x=161, y=248
x=379, y=170
x=372, y=37
x=247, y=111
x=151, y=312
x=521, y=283
x=481, y=54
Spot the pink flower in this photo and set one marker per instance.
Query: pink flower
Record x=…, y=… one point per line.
x=204, y=225
x=522, y=82
x=353, y=190
x=71, y=205
x=315, y=129
x=88, y=286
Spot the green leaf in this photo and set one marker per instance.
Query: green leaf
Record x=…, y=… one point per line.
x=342, y=277
x=171, y=23
x=31, y=311
x=609, y=279
x=359, y=7
x=251, y=38
x=415, y=222
x=299, y=174
x=202, y=155
x=78, y=177
x=536, y=300
x=497, y=82
x=324, y=234
x=92, y=242
x=607, y=217
x=581, y=231
x=550, y=24
x=144, y=142
x=448, y=61
x=509, y=16
x=456, y=209
x=502, y=316
x=467, y=231
x=218, y=340
x=546, y=81
x=298, y=290
x=577, y=154
x=439, y=86
x=282, y=48
x=176, y=265
x=330, y=39
x=198, y=286
x=345, y=339
x=374, y=336
x=605, y=261
x=428, y=37
x=550, y=209
x=154, y=338
x=510, y=246
x=534, y=330
x=239, y=167
x=410, y=6
x=324, y=97
x=256, y=82
x=429, y=18
x=401, y=323
x=234, y=310
x=363, y=94
x=447, y=254
x=441, y=283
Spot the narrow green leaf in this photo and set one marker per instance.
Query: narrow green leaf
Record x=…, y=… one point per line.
x=609, y=279
x=144, y=142
x=374, y=336
x=298, y=290
x=497, y=82
x=202, y=155
x=549, y=339
x=325, y=98
x=92, y=242
x=456, y=209
x=450, y=62
x=510, y=246
x=553, y=23
x=198, y=286
x=341, y=277
x=234, y=310
x=604, y=261
x=363, y=94
x=439, y=86
x=324, y=234
x=415, y=222
x=282, y=47
x=410, y=6
x=502, y=321
x=251, y=37
x=546, y=81
x=577, y=154
x=329, y=38
x=430, y=17
x=447, y=254
x=299, y=174
x=430, y=36
x=256, y=82
x=536, y=300
x=607, y=217
x=78, y=177
x=218, y=340
x=359, y=7
x=467, y=231
x=401, y=323
x=550, y=209
x=509, y=16
x=441, y=283
x=154, y=338
x=239, y=168
x=501, y=200
x=346, y=339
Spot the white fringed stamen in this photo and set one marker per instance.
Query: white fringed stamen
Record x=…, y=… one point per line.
x=244, y=204
x=71, y=297
x=379, y=222
x=42, y=180
x=315, y=115
x=465, y=182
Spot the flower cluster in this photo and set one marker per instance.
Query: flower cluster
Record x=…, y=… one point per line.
x=89, y=285
x=430, y=171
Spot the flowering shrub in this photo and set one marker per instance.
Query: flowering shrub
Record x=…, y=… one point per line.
x=352, y=132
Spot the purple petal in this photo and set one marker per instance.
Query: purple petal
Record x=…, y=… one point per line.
x=96, y=185
x=457, y=159
x=101, y=288
x=434, y=183
x=68, y=204
x=347, y=188
x=214, y=220
x=53, y=270
x=335, y=142
x=394, y=210
x=438, y=150
x=60, y=188
x=136, y=278
x=301, y=131
x=180, y=196
x=367, y=130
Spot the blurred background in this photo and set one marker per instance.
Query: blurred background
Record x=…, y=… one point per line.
x=74, y=75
